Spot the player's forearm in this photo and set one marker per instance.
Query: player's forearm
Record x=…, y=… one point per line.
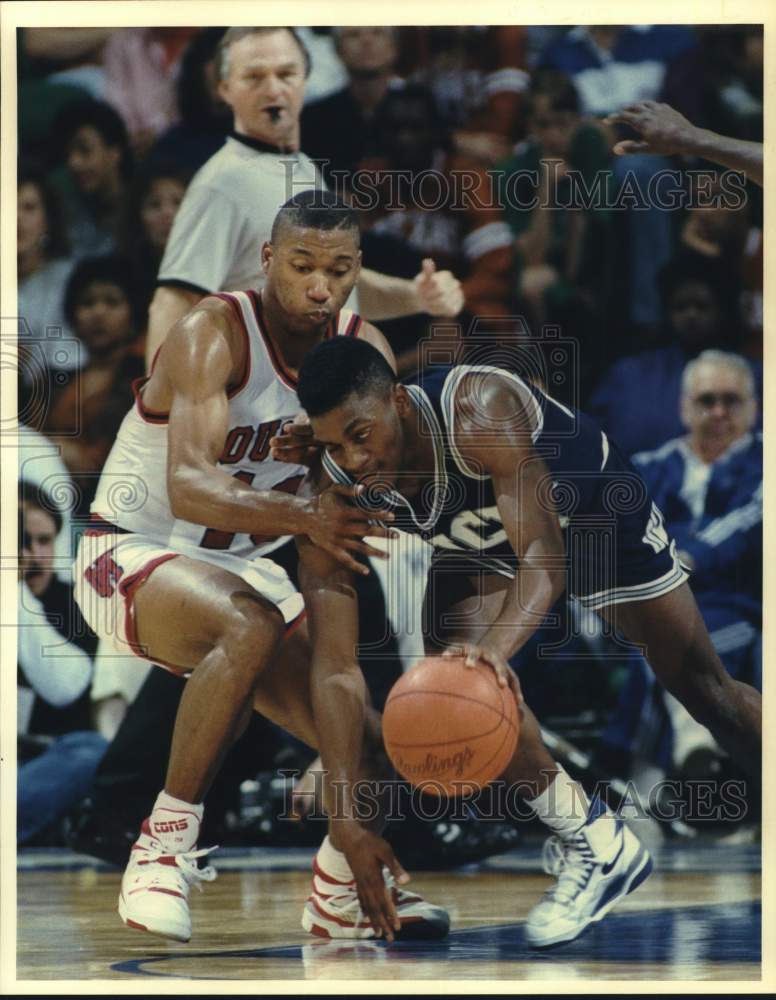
x=338, y=690
x=532, y=593
x=167, y=307
x=339, y=707
x=735, y=154
x=214, y=499
x=384, y=297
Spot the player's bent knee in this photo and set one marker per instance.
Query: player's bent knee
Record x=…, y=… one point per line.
x=250, y=635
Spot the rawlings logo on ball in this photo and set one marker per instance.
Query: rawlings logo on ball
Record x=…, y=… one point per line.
x=434, y=765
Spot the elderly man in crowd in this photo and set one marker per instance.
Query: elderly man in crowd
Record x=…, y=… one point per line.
x=709, y=485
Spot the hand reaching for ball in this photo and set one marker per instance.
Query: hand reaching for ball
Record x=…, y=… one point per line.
x=474, y=654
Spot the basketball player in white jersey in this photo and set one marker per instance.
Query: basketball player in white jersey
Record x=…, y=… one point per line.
x=174, y=563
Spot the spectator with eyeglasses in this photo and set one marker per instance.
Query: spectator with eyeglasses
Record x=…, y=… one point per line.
x=709, y=485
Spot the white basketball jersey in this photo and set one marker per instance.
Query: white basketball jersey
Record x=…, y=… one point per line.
x=132, y=492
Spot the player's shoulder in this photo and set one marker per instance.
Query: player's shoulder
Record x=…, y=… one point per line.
x=210, y=328
x=478, y=386
x=487, y=400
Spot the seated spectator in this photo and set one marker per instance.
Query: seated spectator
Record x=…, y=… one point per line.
x=562, y=248
x=141, y=66
x=154, y=199
x=204, y=119
x=43, y=268
x=708, y=484
x=477, y=76
x=459, y=225
x=55, y=666
x=101, y=306
x=637, y=400
x=98, y=165
x=343, y=128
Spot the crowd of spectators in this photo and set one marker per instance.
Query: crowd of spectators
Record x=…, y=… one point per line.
x=485, y=148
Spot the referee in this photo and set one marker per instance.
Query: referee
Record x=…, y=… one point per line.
x=229, y=207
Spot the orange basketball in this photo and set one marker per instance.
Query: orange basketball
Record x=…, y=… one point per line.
x=449, y=728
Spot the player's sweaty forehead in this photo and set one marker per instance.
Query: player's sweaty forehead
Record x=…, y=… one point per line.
x=323, y=246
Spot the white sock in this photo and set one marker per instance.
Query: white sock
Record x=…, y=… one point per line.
x=563, y=805
x=174, y=823
x=333, y=862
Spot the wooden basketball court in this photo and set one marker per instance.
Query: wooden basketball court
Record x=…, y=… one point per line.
x=696, y=918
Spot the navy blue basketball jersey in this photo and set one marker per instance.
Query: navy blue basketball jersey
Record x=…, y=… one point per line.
x=612, y=529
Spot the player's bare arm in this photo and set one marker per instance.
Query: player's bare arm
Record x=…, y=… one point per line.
x=295, y=444
x=339, y=699
x=202, y=357
x=492, y=432
x=664, y=130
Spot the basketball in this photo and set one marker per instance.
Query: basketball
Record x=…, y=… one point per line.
x=448, y=728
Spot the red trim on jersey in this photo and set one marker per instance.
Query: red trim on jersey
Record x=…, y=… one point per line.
x=354, y=326
x=128, y=588
x=231, y=300
x=286, y=377
x=294, y=625
x=97, y=526
x=157, y=416
x=149, y=416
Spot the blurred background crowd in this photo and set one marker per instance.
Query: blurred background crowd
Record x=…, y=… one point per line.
x=114, y=123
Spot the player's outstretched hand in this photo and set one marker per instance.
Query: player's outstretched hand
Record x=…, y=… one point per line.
x=661, y=129
x=474, y=654
x=439, y=293
x=366, y=853
x=294, y=443
x=340, y=527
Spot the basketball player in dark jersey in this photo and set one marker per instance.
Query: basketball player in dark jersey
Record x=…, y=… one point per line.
x=521, y=499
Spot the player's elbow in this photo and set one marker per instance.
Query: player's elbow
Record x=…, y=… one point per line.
x=182, y=492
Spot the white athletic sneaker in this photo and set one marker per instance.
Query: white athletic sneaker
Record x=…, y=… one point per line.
x=333, y=911
x=155, y=887
x=596, y=867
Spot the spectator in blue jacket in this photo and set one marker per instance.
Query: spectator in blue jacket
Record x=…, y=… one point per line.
x=709, y=485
